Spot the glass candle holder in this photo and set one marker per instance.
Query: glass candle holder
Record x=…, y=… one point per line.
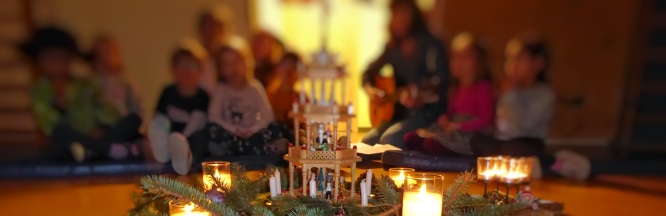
x=518, y=170
x=423, y=194
x=490, y=168
x=219, y=170
x=398, y=175
x=185, y=209
x=485, y=168
x=528, y=162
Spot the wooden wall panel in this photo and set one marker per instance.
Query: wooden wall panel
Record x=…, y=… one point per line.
x=589, y=42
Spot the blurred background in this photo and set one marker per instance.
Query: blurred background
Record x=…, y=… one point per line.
x=608, y=64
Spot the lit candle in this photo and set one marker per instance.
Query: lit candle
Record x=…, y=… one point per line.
x=400, y=179
x=215, y=170
x=422, y=203
x=209, y=182
x=186, y=210
x=398, y=175
x=515, y=170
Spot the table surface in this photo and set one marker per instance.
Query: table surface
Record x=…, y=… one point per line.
x=608, y=195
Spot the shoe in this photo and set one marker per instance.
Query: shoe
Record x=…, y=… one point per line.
x=158, y=133
x=572, y=165
x=181, y=156
x=78, y=152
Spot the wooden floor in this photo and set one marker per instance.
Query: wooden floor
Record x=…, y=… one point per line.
x=609, y=195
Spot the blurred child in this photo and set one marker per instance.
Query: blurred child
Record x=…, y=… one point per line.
x=215, y=30
x=72, y=111
x=240, y=113
x=524, y=112
x=471, y=103
x=280, y=89
x=108, y=68
x=266, y=50
x=180, y=112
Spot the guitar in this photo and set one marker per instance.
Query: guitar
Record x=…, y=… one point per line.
x=382, y=109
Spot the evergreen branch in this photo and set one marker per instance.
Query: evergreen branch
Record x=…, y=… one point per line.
x=487, y=209
x=197, y=180
x=303, y=210
x=386, y=188
x=285, y=205
x=261, y=211
x=175, y=191
x=393, y=210
x=459, y=186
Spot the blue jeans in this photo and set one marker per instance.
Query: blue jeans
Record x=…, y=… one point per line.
x=394, y=132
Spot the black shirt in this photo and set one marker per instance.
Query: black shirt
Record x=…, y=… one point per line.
x=174, y=106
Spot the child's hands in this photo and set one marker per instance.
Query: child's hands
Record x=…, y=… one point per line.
x=409, y=99
x=374, y=93
x=452, y=127
x=177, y=115
x=243, y=133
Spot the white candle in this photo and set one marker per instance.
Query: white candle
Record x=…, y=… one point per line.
x=208, y=181
x=364, y=193
x=271, y=185
x=278, y=183
x=312, y=187
x=368, y=184
x=422, y=203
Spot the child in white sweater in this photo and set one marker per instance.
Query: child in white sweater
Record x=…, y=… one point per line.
x=240, y=114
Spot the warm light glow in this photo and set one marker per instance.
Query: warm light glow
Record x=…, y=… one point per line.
x=215, y=171
x=398, y=175
x=400, y=179
x=515, y=175
x=488, y=173
x=188, y=208
x=299, y=25
x=422, y=203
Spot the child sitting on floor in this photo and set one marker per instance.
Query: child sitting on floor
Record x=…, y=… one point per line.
x=72, y=111
x=106, y=62
x=471, y=104
x=180, y=112
x=524, y=113
x=280, y=89
x=240, y=114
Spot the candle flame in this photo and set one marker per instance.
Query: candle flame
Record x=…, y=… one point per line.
x=217, y=174
x=188, y=208
x=423, y=189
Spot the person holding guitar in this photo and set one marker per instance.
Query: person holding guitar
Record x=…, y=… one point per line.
x=419, y=66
